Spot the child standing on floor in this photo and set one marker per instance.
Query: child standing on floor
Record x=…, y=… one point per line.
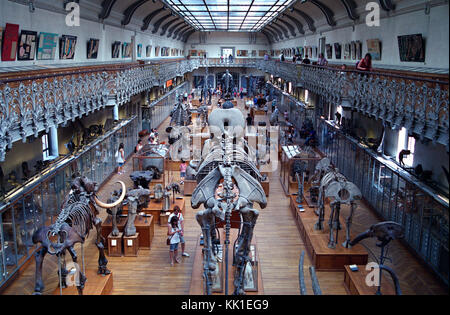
x=183, y=168
x=174, y=235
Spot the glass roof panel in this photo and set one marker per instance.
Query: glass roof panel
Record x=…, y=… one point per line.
x=236, y=15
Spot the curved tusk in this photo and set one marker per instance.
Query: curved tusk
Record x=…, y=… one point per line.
x=115, y=204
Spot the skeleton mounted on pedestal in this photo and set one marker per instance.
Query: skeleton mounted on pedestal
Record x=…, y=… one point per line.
x=78, y=216
x=228, y=181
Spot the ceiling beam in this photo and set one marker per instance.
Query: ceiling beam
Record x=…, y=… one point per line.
x=289, y=26
x=281, y=27
x=107, y=6
x=180, y=36
x=272, y=33
x=268, y=36
x=181, y=29
x=387, y=5
x=166, y=26
x=329, y=14
x=173, y=28
x=159, y=22
x=297, y=23
x=309, y=20
x=150, y=17
x=188, y=34
x=276, y=30
x=350, y=7
x=128, y=13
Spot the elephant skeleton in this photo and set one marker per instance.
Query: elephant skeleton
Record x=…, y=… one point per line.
x=78, y=216
x=336, y=187
x=224, y=186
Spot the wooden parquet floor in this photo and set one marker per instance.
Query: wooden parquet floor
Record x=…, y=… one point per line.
x=279, y=245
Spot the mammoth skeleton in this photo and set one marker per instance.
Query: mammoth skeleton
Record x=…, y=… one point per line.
x=78, y=216
x=227, y=181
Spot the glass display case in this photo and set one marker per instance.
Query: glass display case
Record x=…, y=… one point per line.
x=395, y=195
x=39, y=203
x=291, y=155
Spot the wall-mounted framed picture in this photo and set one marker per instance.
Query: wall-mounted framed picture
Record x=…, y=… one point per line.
x=139, y=51
x=47, y=43
x=10, y=42
x=411, y=48
x=329, y=50
x=358, y=50
x=322, y=48
x=116, y=49
x=347, y=51
x=92, y=48
x=157, y=50
x=353, y=50
x=338, y=50
x=126, y=50
x=27, y=45
x=374, y=48
x=148, y=51
x=67, y=47
x=253, y=53
x=242, y=53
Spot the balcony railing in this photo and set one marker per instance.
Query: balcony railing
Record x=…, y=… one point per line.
x=418, y=104
x=36, y=101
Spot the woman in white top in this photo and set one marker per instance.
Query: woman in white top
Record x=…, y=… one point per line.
x=174, y=233
x=120, y=158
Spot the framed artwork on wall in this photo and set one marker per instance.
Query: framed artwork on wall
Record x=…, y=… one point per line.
x=116, y=49
x=193, y=53
x=242, y=53
x=337, y=50
x=347, y=52
x=322, y=42
x=10, y=42
x=46, y=49
x=67, y=47
x=329, y=50
x=353, y=50
x=148, y=51
x=139, y=51
x=358, y=50
x=253, y=53
x=374, y=48
x=411, y=48
x=92, y=48
x=27, y=45
x=126, y=50
x=157, y=49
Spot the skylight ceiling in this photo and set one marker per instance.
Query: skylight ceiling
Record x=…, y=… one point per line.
x=229, y=15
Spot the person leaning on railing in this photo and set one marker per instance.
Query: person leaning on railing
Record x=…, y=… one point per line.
x=322, y=61
x=365, y=64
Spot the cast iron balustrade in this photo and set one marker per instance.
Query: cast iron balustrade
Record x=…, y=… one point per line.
x=31, y=104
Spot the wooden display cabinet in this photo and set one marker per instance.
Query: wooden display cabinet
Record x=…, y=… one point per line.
x=131, y=245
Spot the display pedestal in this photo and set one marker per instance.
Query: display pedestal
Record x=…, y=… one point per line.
x=355, y=282
x=115, y=245
x=95, y=285
x=107, y=225
x=197, y=282
x=316, y=242
x=154, y=208
x=131, y=245
x=164, y=219
x=189, y=187
x=266, y=186
x=145, y=228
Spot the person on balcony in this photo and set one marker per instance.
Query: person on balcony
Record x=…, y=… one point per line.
x=322, y=61
x=306, y=61
x=282, y=59
x=365, y=64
